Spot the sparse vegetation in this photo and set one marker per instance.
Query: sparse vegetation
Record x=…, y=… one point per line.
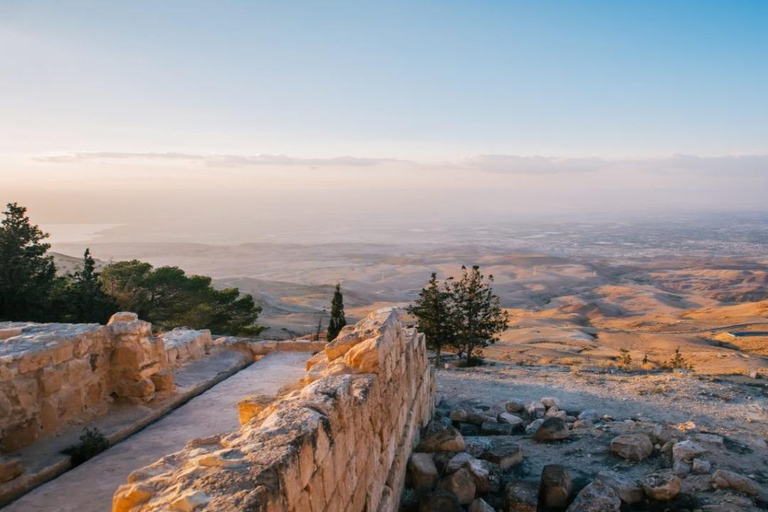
x=92, y=442
x=435, y=317
x=625, y=359
x=678, y=362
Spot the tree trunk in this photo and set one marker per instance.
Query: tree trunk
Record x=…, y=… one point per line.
x=437, y=357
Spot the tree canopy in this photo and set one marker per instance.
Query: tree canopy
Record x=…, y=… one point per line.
x=338, y=320
x=436, y=319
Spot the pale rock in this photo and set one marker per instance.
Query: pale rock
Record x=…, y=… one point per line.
x=422, y=471
x=701, y=466
x=441, y=438
x=687, y=451
x=596, y=497
x=552, y=429
x=521, y=496
x=629, y=491
x=533, y=426
x=556, y=486
x=550, y=401
x=501, y=450
x=461, y=484
x=515, y=405
x=661, y=486
x=480, y=505
x=589, y=414
x=723, y=479
x=634, y=447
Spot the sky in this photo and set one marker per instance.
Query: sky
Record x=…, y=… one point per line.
x=118, y=111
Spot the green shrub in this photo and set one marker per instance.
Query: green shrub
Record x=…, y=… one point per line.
x=92, y=442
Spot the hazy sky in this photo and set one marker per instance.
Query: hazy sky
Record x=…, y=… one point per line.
x=549, y=105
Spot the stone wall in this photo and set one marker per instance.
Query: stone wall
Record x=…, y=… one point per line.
x=341, y=442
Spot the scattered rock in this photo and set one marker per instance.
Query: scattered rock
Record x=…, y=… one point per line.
x=635, y=447
x=440, y=501
x=661, y=486
x=461, y=484
x=520, y=496
x=589, y=414
x=535, y=410
x=515, y=405
x=515, y=421
x=423, y=471
x=492, y=428
x=533, y=426
x=596, y=497
x=663, y=434
x=723, y=479
x=629, y=491
x=583, y=424
x=681, y=469
x=501, y=450
x=130, y=497
x=479, y=505
x=486, y=480
x=441, y=438
x=550, y=401
x=687, y=451
x=552, y=429
x=556, y=486
x=701, y=466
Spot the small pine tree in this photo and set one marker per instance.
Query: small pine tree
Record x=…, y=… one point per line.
x=337, y=321
x=625, y=359
x=479, y=316
x=89, y=300
x=645, y=359
x=27, y=272
x=433, y=310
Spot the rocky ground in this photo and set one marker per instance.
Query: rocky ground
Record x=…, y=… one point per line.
x=509, y=438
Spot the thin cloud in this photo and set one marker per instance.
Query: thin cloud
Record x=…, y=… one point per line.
x=215, y=160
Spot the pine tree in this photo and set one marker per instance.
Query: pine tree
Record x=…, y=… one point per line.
x=478, y=312
x=433, y=310
x=27, y=272
x=337, y=321
x=90, y=303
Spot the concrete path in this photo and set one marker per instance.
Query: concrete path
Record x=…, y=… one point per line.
x=89, y=487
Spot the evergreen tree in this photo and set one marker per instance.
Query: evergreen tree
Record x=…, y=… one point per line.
x=433, y=310
x=90, y=303
x=27, y=272
x=337, y=321
x=478, y=314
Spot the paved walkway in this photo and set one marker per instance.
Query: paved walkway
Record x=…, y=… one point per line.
x=89, y=487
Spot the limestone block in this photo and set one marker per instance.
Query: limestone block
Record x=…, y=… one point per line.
x=163, y=381
x=135, y=389
x=33, y=362
x=50, y=380
x=123, y=316
x=129, y=496
x=20, y=435
x=249, y=408
x=10, y=468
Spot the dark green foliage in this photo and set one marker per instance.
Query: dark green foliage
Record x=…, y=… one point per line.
x=88, y=300
x=92, y=442
x=27, y=272
x=479, y=316
x=169, y=298
x=678, y=362
x=625, y=359
x=434, y=316
x=463, y=313
x=338, y=320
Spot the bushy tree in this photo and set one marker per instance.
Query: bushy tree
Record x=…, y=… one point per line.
x=88, y=300
x=169, y=298
x=435, y=318
x=27, y=272
x=338, y=320
x=463, y=313
x=479, y=316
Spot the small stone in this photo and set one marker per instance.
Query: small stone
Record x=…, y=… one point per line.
x=249, y=408
x=662, y=434
x=461, y=484
x=634, y=447
x=130, y=496
x=521, y=496
x=189, y=501
x=441, y=438
x=589, y=414
x=681, y=469
x=556, y=486
x=535, y=410
x=723, y=479
x=687, y=451
x=596, y=497
x=515, y=421
x=480, y=505
x=629, y=491
x=661, y=486
x=501, y=450
x=492, y=428
x=533, y=426
x=583, y=424
x=550, y=401
x=440, y=501
x=701, y=466
x=553, y=429
x=458, y=461
x=423, y=471
x=515, y=405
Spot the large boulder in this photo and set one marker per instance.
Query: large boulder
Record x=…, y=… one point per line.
x=501, y=450
x=422, y=470
x=440, y=501
x=630, y=491
x=439, y=437
x=555, y=489
x=635, y=447
x=552, y=429
x=461, y=484
x=723, y=479
x=596, y=497
x=521, y=496
x=662, y=486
